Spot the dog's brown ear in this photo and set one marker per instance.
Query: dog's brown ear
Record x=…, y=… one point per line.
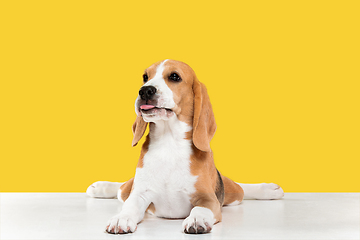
x=138, y=128
x=204, y=125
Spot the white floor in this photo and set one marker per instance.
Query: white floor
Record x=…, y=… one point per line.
x=76, y=216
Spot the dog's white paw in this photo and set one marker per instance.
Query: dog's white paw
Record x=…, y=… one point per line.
x=103, y=189
x=121, y=225
x=269, y=191
x=201, y=220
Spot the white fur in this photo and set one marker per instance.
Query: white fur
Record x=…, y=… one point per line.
x=199, y=216
x=132, y=213
x=103, y=189
x=262, y=191
x=164, y=94
x=166, y=170
x=165, y=178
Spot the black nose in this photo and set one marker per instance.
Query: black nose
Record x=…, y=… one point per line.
x=147, y=92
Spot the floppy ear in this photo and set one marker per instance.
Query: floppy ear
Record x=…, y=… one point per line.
x=138, y=128
x=204, y=125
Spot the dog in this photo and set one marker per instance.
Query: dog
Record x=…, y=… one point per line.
x=176, y=176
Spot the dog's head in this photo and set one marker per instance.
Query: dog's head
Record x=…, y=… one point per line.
x=171, y=89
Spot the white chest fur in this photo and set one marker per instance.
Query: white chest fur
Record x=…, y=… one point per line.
x=166, y=169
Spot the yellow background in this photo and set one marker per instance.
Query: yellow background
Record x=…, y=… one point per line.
x=283, y=77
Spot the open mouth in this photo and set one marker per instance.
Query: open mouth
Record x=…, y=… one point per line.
x=151, y=109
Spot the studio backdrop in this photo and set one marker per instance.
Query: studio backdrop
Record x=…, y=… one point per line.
x=283, y=79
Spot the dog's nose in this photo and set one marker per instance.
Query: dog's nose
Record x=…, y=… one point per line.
x=147, y=92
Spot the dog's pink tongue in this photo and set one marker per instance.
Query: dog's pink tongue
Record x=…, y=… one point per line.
x=146, y=107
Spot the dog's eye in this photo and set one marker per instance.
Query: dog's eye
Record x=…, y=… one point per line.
x=145, y=78
x=175, y=77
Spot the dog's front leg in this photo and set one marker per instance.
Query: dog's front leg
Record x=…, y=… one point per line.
x=132, y=213
x=204, y=215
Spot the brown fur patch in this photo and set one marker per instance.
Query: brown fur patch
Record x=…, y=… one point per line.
x=202, y=165
x=219, y=190
x=138, y=128
x=126, y=189
x=144, y=150
x=233, y=192
x=151, y=208
x=194, y=108
x=204, y=125
x=182, y=91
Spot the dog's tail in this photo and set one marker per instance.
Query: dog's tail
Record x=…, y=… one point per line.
x=103, y=189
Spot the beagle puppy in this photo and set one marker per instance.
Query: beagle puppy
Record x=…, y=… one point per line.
x=176, y=176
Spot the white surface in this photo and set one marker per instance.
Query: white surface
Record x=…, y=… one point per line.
x=76, y=216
